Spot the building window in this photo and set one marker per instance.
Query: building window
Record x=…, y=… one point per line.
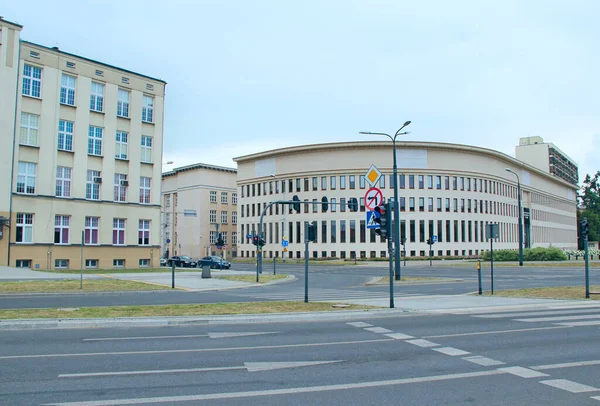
x=67, y=90
x=145, y=189
x=351, y=181
x=224, y=237
x=92, y=186
x=24, y=232
x=65, y=135
x=212, y=237
x=411, y=181
x=429, y=181
x=30, y=127
x=120, y=187
x=61, y=264
x=332, y=184
x=26, y=178
x=438, y=182
x=118, y=231
x=91, y=263
x=61, y=229
x=213, y=196
x=144, y=232
x=121, y=145
x=421, y=204
x=23, y=263
x=411, y=204
x=430, y=203
x=223, y=217
x=118, y=263
x=362, y=181
x=402, y=181
x=95, y=140
x=333, y=205
x=63, y=181
x=213, y=216
x=234, y=198
x=421, y=182
x=234, y=237
x=223, y=197
x=97, y=97
x=90, y=235
x=144, y=262
x=148, y=109
x=234, y=217
x=32, y=81
x=146, y=149
x=323, y=182
x=123, y=103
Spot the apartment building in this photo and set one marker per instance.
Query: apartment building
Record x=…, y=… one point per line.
x=9, y=68
x=199, y=201
x=547, y=157
x=87, y=163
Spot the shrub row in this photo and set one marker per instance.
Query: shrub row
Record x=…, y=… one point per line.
x=533, y=254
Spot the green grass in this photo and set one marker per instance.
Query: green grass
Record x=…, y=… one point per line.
x=102, y=285
x=559, y=292
x=252, y=278
x=176, y=310
x=386, y=279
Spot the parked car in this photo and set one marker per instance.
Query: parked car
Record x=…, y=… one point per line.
x=215, y=262
x=182, y=261
x=163, y=261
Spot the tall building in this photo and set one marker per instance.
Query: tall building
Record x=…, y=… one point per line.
x=87, y=162
x=9, y=68
x=547, y=157
x=199, y=202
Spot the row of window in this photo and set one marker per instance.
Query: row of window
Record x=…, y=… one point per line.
x=433, y=182
x=32, y=87
x=62, y=230
x=213, y=197
x=26, y=183
x=30, y=131
x=413, y=230
x=324, y=205
x=363, y=254
x=212, y=237
x=224, y=214
x=89, y=263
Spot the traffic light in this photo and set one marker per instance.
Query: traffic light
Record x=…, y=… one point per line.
x=220, y=241
x=255, y=240
x=584, y=227
x=261, y=242
x=403, y=241
x=324, y=204
x=296, y=205
x=429, y=242
x=353, y=204
x=384, y=221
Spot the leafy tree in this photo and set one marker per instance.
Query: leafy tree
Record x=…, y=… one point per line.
x=589, y=206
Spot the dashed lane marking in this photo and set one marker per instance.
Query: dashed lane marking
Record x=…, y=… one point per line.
x=569, y=386
x=422, y=343
x=451, y=351
x=523, y=372
x=483, y=361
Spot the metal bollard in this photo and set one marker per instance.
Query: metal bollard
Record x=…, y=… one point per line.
x=274, y=262
x=479, y=276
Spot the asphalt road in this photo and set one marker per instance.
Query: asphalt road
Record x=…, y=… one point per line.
x=547, y=356
x=325, y=283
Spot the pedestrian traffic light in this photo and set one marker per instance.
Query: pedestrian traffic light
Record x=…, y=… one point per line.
x=255, y=240
x=383, y=221
x=296, y=204
x=584, y=227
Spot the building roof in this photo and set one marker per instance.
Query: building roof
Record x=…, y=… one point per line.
x=192, y=167
x=10, y=22
x=399, y=144
x=57, y=50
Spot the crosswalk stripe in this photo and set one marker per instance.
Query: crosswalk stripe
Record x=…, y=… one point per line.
x=535, y=313
x=560, y=318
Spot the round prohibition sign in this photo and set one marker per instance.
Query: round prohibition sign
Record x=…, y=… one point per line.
x=373, y=198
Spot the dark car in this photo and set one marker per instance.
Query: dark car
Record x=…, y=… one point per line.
x=182, y=261
x=215, y=262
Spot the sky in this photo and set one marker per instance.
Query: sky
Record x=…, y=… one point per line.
x=248, y=76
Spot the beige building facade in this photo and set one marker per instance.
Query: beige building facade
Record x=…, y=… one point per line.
x=449, y=191
x=87, y=163
x=198, y=202
x=547, y=157
x=9, y=68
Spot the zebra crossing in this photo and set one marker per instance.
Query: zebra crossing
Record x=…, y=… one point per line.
x=322, y=295
x=588, y=315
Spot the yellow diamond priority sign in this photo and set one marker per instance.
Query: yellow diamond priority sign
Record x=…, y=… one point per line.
x=373, y=175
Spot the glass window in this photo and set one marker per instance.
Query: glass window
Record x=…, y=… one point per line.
x=332, y=183
x=32, y=81
x=144, y=232
x=429, y=182
x=65, y=135
x=402, y=181
x=145, y=189
x=92, y=186
x=95, y=140
x=30, y=128
x=120, y=187
x=67, y=90
x=24, y=231
x=362, y=181
x=118, y=231
x=146, y=149
x=91, y=230
x=342, y=182
x=421, y=182
x=26, y=177
x=97, y=97
x=123, y=103
x=121, y=145
x=61, y=229
x=315, y=183
x=323, y=182
x=411, y=181
x=421, y=204
x=213, y=196
x=63, y=182
x=352, y=182
x=148, y=109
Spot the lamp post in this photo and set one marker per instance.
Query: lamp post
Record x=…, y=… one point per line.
x=520, y=217
x=396, y=205
x=284, y=209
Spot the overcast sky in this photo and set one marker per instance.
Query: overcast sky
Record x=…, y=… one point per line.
x=248, y=76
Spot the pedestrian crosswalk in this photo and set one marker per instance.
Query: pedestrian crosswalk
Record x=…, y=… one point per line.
x=321, y=295
x=588, y=315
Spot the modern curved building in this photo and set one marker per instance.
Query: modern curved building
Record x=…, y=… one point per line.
x=446, y=190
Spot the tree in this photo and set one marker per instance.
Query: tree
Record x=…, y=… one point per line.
x=589, y=206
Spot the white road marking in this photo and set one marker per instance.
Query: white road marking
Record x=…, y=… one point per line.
x=569, y=386
x=359, y=324
x=451, y=351
x=535, y=313
x=210, y=335
x=581, y=323
x=399, y=336
x=483, y=361
x=523, y=372
x=250, y=366
x=560, y=318
x=565, y=365
x=378, y=330
x=287, y=391
x=496, y=332
x=596, y=397
x=194, y=350
x=422, y=343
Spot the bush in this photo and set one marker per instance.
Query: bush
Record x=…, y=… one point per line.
x=533, y=254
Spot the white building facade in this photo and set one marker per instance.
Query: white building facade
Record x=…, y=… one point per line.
x=446, y=190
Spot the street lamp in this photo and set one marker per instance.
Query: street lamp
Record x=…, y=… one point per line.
x=396, y=205
x=520, y=218
x=284, y=209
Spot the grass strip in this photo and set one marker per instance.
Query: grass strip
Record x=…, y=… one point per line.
x=558, y=292
x=251, y=278
x=101, y=285
x=386, y=279
x=211, y=309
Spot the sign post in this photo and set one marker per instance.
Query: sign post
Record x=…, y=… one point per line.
x=492, y=231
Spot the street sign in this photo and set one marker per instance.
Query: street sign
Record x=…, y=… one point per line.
x=371, y=216
x=373, y=198
x=373, y=175
x=284, y=243
x=248, y=235
x=492, y=231
x=434, y=238
x=168, y=240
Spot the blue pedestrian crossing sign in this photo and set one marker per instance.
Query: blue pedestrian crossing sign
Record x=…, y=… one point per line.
x=284, y=243
x=434, y=238
x=371, y=216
